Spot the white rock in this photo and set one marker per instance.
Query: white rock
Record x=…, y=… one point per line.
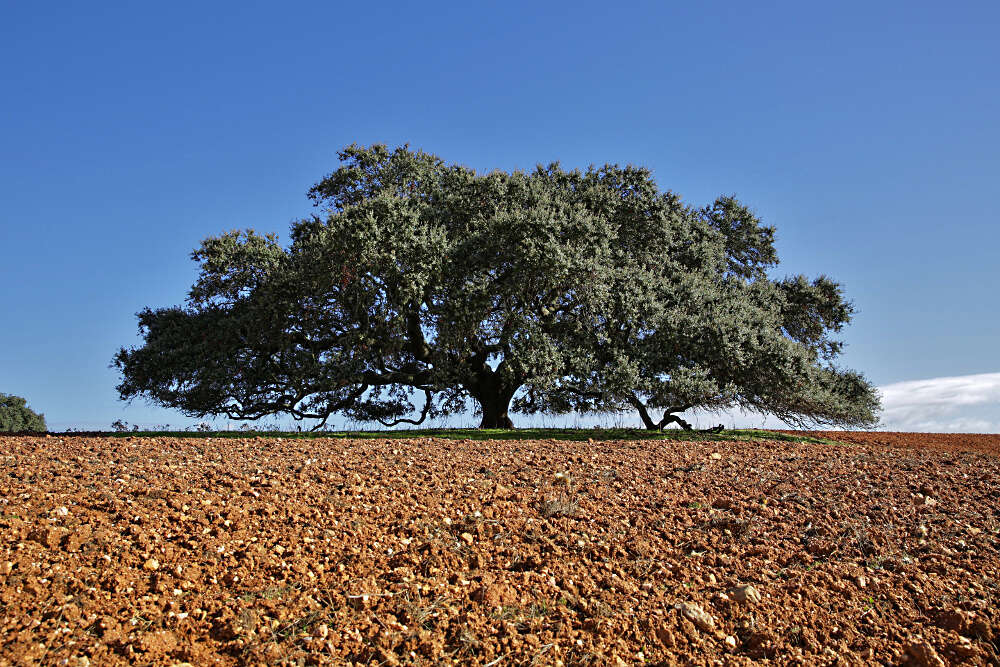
x=701, y=619
x=745, y=594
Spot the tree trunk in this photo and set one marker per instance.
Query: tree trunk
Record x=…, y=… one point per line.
x=495, y=411
x=647, y=421
x=493, y=390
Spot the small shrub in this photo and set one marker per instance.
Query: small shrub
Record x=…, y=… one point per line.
x=551, y=507
x=16, y=416
x=563, y=499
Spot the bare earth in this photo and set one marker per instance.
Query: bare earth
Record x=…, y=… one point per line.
x=164, y=551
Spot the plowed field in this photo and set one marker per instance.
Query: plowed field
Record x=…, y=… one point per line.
x=986, y=443
x=430, y=551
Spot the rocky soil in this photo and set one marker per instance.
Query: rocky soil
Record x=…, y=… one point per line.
x=985, y=443
x=223, y=551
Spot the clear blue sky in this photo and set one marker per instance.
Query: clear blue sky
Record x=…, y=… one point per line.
x=866, y=132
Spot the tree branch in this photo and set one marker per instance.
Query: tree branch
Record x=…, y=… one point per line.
x=415, y=422
x=673, y=419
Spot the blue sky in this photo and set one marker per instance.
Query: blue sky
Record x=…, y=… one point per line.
x=865, y=132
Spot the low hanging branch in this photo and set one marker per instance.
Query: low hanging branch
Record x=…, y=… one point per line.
x=668, y=416
x=415, y=422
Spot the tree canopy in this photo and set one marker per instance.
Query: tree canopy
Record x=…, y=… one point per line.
x=17, y=417
x=420, y=288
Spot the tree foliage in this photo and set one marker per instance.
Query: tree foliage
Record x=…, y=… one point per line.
x=17, y=417
x=422, y=286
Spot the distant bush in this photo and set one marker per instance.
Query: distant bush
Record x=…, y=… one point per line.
x=16, y=416
x=121, y=426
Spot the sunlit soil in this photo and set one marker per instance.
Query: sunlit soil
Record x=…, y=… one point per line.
x=431, y=551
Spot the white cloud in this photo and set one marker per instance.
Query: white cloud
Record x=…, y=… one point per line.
x=963, y=404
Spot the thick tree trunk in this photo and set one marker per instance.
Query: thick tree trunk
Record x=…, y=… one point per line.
x=495, y=412
x=494, y=397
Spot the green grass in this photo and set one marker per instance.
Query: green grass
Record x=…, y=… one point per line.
x=579, y=434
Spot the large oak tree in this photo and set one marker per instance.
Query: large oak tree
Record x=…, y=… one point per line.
x=420, y=285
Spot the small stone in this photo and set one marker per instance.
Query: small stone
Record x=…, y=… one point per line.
x=715, y=456
x=745, y=594
x=278, y=549
x=731, y=642
x=665, y=636
x=152, y=565
x=963, y=647
x=861, y=581
x=923, y=654
x=698, y=616
x=467, y=538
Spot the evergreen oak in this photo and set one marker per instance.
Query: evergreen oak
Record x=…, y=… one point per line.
x=421, y=286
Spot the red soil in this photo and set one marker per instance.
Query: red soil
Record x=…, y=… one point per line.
x=985, y=443
x=164, y=551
